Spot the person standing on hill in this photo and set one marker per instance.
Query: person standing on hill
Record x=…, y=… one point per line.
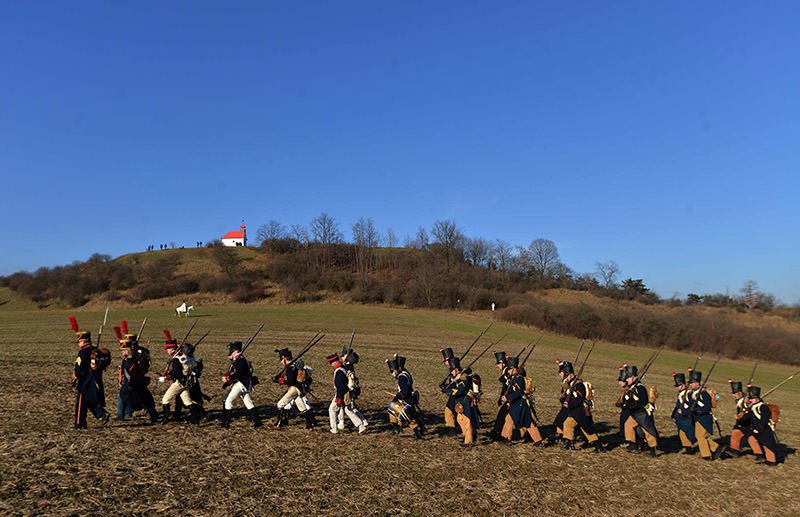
x=241, y=379
x=577, y=405
x=701, y=407
x=682, y=416
x=640, y=422
x=519, y=411
x=741, y=428
x=87, y=380
x=762, y=433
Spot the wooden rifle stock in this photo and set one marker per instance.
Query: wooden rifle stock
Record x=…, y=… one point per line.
x=792, y=376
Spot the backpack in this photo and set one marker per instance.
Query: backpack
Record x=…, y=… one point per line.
x=529, y=386
x=589, y=390
x=100, y=358
x=143, y=359
x=714, y=397
x=652, y=394
x=774, y=413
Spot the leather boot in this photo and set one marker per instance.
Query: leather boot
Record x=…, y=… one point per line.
x=568, y=445
x=256, y=419
x=226, y=418
x=164, y=414
x=194, y=415
x=689, y=451
x=176, y=414
x=310, y=421
x=417, y=433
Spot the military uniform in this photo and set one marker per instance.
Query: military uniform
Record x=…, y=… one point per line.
x=179, y=374
x=342, y=400
x=134, y=393
x=703, y=419
x=459, y=391
x=87, y=382
x=404, y=406
x=505, y=382
x=640, y=420
x=519, y=411
x=450, y=406
x=741, y=428
x=241, y=379
x=577, y=409
x=762, y=434
x=682, y=416
x=292, y=379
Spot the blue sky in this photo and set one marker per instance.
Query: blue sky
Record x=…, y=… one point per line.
x=659, y=135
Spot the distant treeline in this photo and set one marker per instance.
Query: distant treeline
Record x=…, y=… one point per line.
x=440, y=268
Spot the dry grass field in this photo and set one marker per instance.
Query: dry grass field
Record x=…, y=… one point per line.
x=133, y=468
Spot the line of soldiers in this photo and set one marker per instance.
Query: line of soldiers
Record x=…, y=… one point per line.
x=692, y=413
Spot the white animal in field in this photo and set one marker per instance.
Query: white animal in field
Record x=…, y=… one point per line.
x=184, y=309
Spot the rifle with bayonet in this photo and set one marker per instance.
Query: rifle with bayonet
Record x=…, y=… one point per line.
x=190, y=331
x=100, y=332
x=448, y=385
x=141, y=329
x=530, y=351
x=753, y=372
x=580, y=371
x=641, y=374
x=579, y=351
x=703, y=386
x=446, y=380
x=792, y=376
x=305, y=349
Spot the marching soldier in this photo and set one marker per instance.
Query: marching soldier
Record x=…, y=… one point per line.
x=459, y=391
x=624, y=413
x=180, y=378
x=292, y=379
x=741, y=429
x=762, y=434
x=519, y=411
x=133, y=392
x=349, y=409
x=577, y=405
x=636, y=402
x=505, y=381
x=241, y=379
x=703, y=420
x=87, y=379
x=682, y=416
x=403, y=407
x=341, y=398
x=449, y=409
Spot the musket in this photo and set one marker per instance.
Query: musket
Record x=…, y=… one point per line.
x=524, y=348
x=248, y=341
x=141, y=329
x=474, y=360
x=792, y=376
x=202, y=338
x=531, y=351
x=579, y=351
x=306, y=349
x=585, y=359
x=473, y=343
x=697, y=399
x=100, y=332
x=645, y=368
x=698, y=359
x=347, y=350
x=190, y=331
x=752, y=373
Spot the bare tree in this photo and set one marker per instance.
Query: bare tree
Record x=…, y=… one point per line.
x=542, y=256
x=449, y=236
x=300, y=233
x=391, y=238
x=478, y=250
x=608, y=273
x=502, y=254
x=270, y=231
x=365, y=238
x=421, y=240
x=325, y=230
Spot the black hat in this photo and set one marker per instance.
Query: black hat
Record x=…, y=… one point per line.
x=392, y=363
x=566, y=367
x=455, y=363
x=753, y=392
x=447, y=354
x=695, y=376
x=234, y=346
x=84, y=335
x=188, y=349
x=631, y=371
x=621, y=377
x=512, y=362
x=401, y=361
x=351, y=358
x=680, y=378
x=332, y=359
x=736, y=386
x=500, y=357
x=284, y=352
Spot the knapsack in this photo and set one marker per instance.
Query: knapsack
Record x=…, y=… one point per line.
x=714, y=397
x=652, y=393
x=529, y=386
x=143, y=359
x=589, y=390
x=774, y=413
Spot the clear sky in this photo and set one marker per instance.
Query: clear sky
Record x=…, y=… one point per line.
x=661, y=135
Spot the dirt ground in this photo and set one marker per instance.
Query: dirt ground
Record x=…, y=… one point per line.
x=134, y=468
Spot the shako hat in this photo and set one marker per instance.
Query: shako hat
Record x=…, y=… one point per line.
x=680, y=378
x=171, y=343
x=695, y=376
x=332, y=359
x=736, y=386
x=500, y=357
x=455, y=363
x=512, y=362
x=234, y=346
x=621, y=376
x=566, y=367
x=631, y=370
x=284, y=352
x=447, y=354
x=753, y=392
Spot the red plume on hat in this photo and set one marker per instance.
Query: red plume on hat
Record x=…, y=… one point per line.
x=166, y=333
x=74, y=323
x=118, y=332
x=124, y=327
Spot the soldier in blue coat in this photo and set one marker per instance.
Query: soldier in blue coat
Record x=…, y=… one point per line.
x=404, y=405
x=87, y=382
x=577, y=407
x=741, y=429
x=640, y=420
x=505, y=381
x=682, y=416
x=460, y=391
x=519, y=411
x=703, y=420
x=762, y=435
